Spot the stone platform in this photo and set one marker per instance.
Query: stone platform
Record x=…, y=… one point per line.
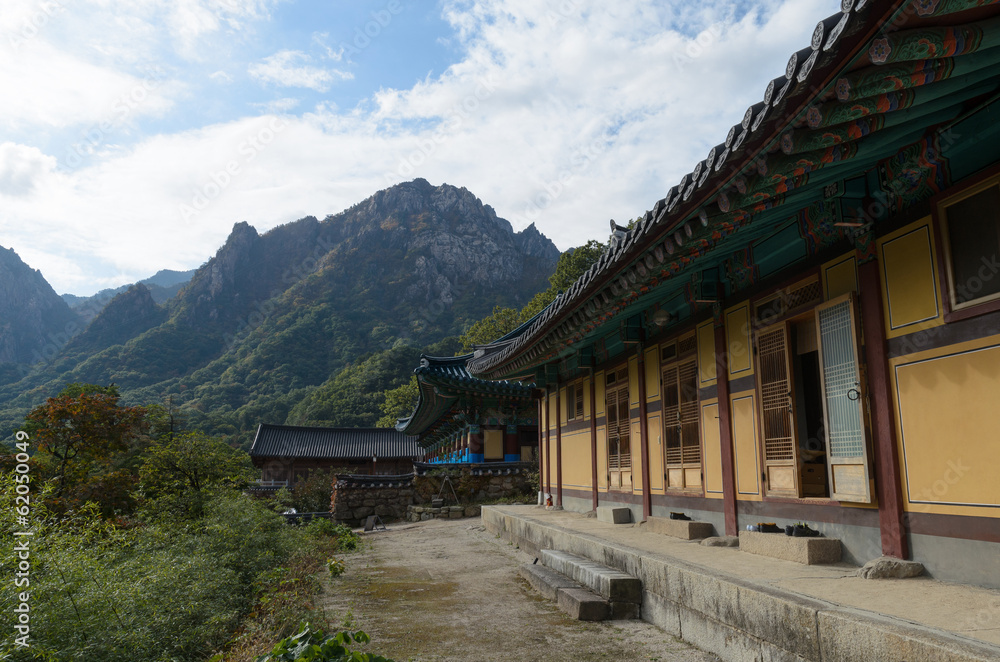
x=742, y=606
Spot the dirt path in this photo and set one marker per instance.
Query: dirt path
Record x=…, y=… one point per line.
x=448, y=590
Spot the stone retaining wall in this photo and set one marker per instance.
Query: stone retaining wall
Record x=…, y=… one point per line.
x=355, y=497
x=424, y=513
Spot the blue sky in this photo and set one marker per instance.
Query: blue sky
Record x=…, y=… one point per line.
x=135, y=133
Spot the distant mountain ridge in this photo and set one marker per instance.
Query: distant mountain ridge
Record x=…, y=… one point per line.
x=162, y=286
x=273, y=316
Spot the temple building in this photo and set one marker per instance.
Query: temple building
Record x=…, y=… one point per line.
x=461, y=419
x=806, y=327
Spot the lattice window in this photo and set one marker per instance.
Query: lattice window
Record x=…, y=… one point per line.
x=845, y=433
x=775, y=393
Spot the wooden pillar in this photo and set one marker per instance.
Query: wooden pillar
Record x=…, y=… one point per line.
x=725, y=429
x=888, y=486
x=559, y=480
x=593, y=441
x=541, y=464
x=647, y=497
x=548, y=444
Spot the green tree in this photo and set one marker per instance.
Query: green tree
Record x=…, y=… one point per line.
x=571, y=265
x=399, y=403
x=501, y=322
x=192, y=462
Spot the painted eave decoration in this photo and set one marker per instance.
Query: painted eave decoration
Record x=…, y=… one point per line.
x=449, y=397
x=887, y=106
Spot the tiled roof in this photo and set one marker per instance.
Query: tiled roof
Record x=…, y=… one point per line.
x=452, y=371
x=831, y=111
x=441, y=380
x=290, y=441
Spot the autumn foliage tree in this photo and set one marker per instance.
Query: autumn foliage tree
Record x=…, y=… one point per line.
x=83, y=437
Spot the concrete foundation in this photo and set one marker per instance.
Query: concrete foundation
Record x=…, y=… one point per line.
x=737, y=617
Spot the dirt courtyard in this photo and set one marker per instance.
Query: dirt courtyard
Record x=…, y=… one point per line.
x=449, y=590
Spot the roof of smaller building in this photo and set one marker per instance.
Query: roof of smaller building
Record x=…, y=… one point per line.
x=442, y=381
x=292, y=441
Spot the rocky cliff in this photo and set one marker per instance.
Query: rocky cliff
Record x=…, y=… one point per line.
x=35, y=323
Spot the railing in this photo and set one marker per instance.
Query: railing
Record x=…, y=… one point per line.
x=296, y=518
x=477, y=468
x=271, y=483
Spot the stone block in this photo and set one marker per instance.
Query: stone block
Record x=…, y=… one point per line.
x=809, y=551
x=455, y=514
x=609, y=583
x=472, y=511
x=614, y=515
x=849, y=636
x=545, y=580
x=621, y=611
x=887, y=567
x=582, y=605
x=685, y=530
x=721, y=541
x=426, y=516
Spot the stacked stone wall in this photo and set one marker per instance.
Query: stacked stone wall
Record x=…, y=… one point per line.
x=414, y=497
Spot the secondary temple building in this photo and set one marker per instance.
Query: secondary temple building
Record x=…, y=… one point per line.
x=807, y=326
x=461, y=419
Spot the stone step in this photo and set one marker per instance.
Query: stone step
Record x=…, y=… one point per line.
x=683, y=529
x=612, y=585
x=545, y=580
x=809, y=551
x=583, y=605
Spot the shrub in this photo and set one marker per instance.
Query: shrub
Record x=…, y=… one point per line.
x=316, y=646
x=167, y=590
x=347, y=540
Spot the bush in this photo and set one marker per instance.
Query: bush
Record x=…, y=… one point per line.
x=316, y=646
x=347, y=540
x=162, y=591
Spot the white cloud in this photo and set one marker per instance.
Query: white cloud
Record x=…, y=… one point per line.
x=291, y=69
x=22, y=168
x=563, y=120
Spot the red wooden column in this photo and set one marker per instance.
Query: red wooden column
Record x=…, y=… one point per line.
x=725, y=428
x=548, y=439
x=647, y=498
x=559, y=480
x=593, y=440
x=541, y=464
x=888, y=485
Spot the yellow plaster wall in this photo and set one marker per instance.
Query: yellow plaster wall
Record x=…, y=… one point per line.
x=588, y=406
x=602, y=433
x=637, y=459
x=949, y=440
x=599, y=391
x=706, y=353
x=654, y=430
x=711, y=448
x=576, y=459
x=909, y=279
x=746, y=448
x=552, y=420
x=633, y=382
x=651, y=361
x=602, y=457
x=840, y=276
x=738, y=340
